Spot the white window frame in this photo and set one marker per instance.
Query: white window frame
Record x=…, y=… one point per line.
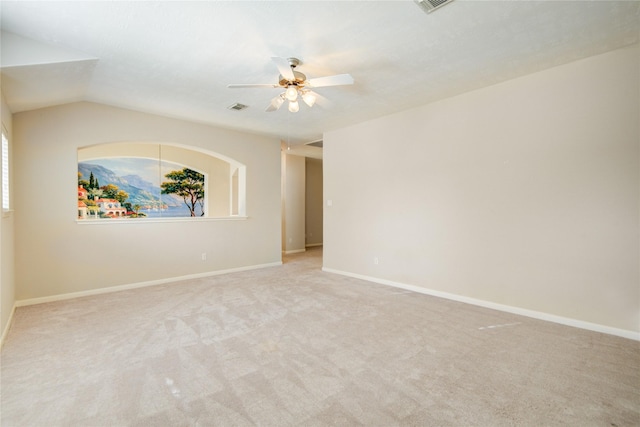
x=6, y=175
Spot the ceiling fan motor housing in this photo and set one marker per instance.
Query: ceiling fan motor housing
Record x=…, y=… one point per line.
x=299, y=81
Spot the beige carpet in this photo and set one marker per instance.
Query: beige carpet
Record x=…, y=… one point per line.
x=293, y=346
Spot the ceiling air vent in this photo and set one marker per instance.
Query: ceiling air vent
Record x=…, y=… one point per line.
x=431, y=5
x=237, y=106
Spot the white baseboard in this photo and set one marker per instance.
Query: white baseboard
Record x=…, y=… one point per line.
x=295, y=251
x=312, y=245
x=60, y=297
x=7, y=327
x=495, y=306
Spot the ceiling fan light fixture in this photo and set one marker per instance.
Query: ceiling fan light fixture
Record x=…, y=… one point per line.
x=291, y=93
x=309, y=98
x=294, y=106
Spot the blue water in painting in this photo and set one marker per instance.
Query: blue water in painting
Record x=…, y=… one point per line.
x=171, y=212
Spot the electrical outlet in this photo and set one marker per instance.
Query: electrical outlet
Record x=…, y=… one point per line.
x=203, y=257
x=376, y=261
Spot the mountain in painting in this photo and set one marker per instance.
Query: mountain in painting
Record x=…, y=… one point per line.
x=139, y=182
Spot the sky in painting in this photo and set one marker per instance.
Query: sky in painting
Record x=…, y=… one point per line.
x=146, y=169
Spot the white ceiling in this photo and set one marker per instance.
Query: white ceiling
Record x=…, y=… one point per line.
x=176, y=58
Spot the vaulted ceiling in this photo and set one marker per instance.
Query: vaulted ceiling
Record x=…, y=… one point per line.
x=177, y=58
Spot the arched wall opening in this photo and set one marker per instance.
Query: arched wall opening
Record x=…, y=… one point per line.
x=210, y=185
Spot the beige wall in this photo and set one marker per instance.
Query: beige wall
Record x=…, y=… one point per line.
x=293, y=203
x=7, y=275
x=313, y=202
x=56, y=255
x=524, y=194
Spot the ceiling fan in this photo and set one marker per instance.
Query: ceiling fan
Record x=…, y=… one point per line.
x=296, y=84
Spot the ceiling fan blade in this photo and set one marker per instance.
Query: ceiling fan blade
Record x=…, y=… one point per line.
x=275, y=105
x=236, y=86
x=284, y=67
x=321, y=100
x=337, y=80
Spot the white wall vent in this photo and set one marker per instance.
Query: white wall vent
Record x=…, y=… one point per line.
x=431, y=5
x=237, y=106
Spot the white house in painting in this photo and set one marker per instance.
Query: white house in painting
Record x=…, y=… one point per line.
x=82, y=210
x=111, y=207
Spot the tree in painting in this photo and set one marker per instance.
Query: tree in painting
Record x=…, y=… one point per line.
x=113, y=192
x=187, y=184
